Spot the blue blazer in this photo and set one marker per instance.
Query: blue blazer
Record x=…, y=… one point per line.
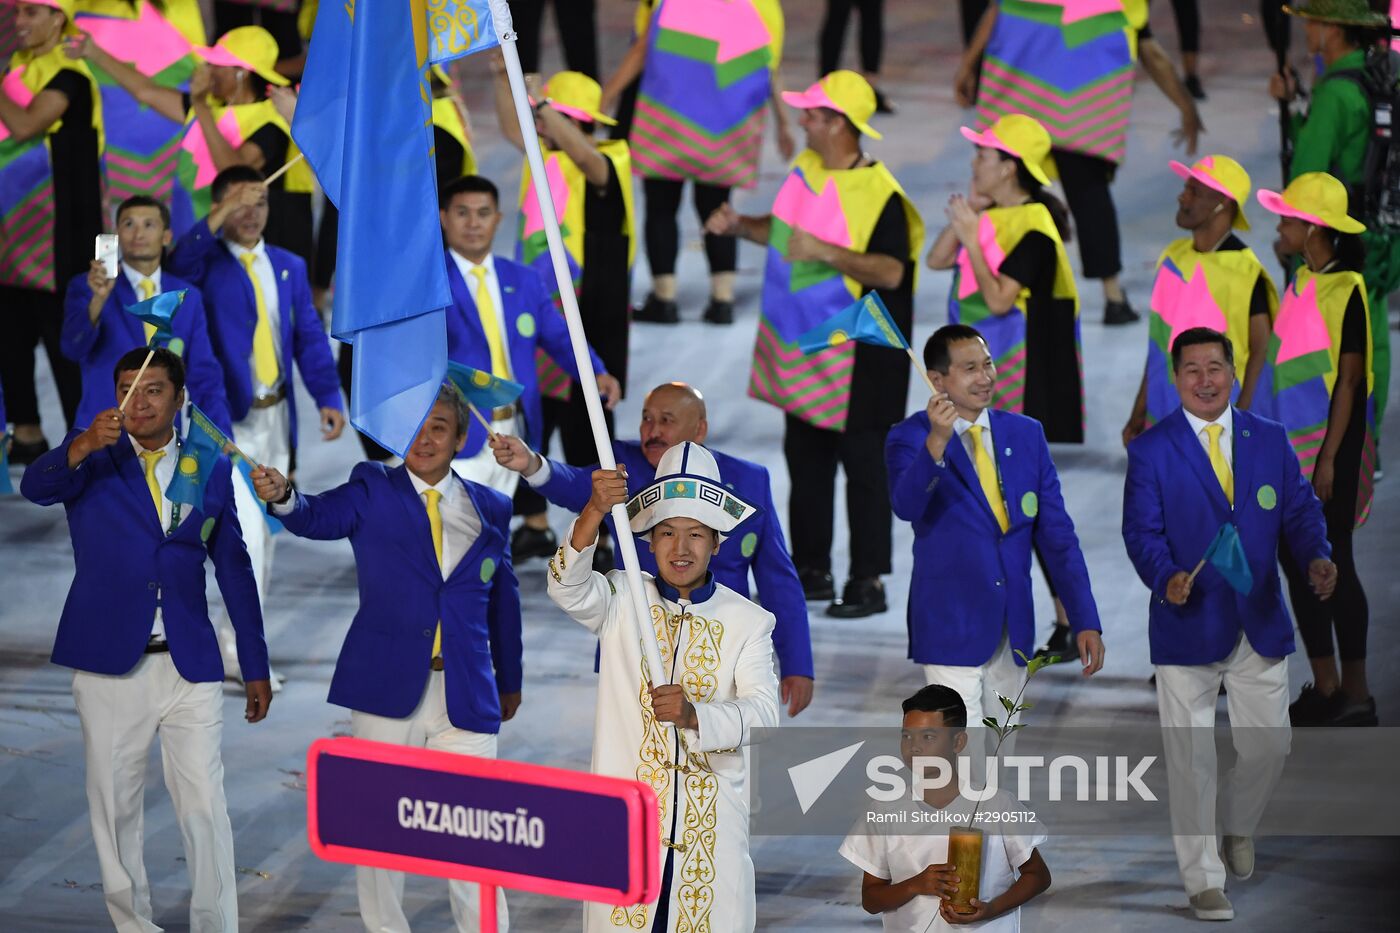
x=386, y=659
x=1173, y=506
x=201, y=257
x=755, y=545
x=123, y=557
x=531, y=321
x=970, y=580
x=96, y=348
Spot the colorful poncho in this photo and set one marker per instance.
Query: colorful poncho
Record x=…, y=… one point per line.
x=999, y=230
x=568, y=186
x=26, y=174
x=1296, y=384
x=195, y=166
x=1069, y=64
x=840, y=207
x=707, y=77
x=141, y=143
x=1195, y=289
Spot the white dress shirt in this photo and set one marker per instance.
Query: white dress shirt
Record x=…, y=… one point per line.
x=493, y=284
x=984, y=421
x=165, y=472
x=267, y=281
x=134, y=277
x=1226, y=421
x=460, y=522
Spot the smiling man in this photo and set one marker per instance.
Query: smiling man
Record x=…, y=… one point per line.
x=1205, y=465
x=718, y=686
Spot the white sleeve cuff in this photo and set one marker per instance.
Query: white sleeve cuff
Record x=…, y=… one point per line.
x=540, y=476
x=284, y=508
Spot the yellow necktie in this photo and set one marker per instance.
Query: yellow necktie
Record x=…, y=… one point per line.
x=265, y=366
x=148, y=460
x=486, y=308
x=987, y=476
x=147, y=288
x=435, y=526
x=1217, y=461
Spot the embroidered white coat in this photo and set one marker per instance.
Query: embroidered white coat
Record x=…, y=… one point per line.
x=720, y=649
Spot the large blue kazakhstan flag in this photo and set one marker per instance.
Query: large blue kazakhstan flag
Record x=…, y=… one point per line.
x=364, y=121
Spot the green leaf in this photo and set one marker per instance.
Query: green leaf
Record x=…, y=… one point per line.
x=1019, y=725
x=1035, y=664
x=1024, y=706
x=1007, y=703
x=1022, y=655
x=991, y=723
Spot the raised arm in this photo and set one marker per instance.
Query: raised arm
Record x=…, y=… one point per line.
x=575, y=587
x=165, y=101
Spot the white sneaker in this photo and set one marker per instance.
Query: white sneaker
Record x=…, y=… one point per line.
x=1239, y=856
x=1212, y=904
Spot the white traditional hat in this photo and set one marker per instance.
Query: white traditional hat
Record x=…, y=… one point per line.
x=687, y=486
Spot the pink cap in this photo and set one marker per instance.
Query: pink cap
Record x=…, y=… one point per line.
x=1274, y=202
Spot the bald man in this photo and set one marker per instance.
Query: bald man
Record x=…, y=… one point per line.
x=672, y=413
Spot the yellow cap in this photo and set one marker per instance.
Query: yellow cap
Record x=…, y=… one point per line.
x=251, y=48
x=575, y=94
x=1023, y=137
x=1315, y=197
x=1221, y=174
x=843, y=91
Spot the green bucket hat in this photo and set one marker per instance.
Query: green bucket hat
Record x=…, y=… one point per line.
x=1342, y=12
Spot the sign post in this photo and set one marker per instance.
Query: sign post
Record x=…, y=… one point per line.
x=498, y=823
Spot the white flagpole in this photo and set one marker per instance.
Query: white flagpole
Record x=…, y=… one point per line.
x=626, y=545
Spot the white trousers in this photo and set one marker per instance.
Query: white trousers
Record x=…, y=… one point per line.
x=264, y=436
x=483, y=468
x=1257, y=701
x=979, y=688
x=381, y=891
x=120, y=718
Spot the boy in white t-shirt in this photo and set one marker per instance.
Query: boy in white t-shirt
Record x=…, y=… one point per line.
x=907, y=877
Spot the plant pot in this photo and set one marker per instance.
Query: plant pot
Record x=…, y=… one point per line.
x=965, y=855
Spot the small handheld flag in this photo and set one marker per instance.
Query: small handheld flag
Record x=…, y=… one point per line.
x=158, y=311
x=201, y=450
x=867, y=321
x=1226, y=555
x=482, y=391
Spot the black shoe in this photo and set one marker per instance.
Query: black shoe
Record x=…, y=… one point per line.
x=1356, y=714
x=1119, y=312
x=719, y=312
x=1193, y=87
x=657, y=311
x=882, y=103
x=23, y=454
x=1059, y=644
x=1313, y=709
x=530, y=542
x=859, y=598
x=603, y=559
x=817, y=585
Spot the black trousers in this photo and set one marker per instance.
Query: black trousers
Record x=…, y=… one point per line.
x=1086, y=181
x=812, y=457
x=32, y=317
x=663, y=234
x=833, y=34
x=971, y=13
x=578, y=33
x=1188, y=24
x=570, y=420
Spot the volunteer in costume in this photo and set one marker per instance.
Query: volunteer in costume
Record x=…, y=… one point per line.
x=673, y=413
x=1206, y=279
x=1012, y=279
x=433, y=656
x=1207, y=465
x=591, y=185
x=981, y=490
x=719, y=686
x=50, y=208
x=158, y=38
x=1046, y=62
x=1319, y=384
x=228, y=122
x=842, y=221
x=97, y=330
x=135, y=628
x=700, y=120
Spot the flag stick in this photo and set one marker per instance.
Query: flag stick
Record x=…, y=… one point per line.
x=922, y=370
x=283, y=170
x=482, y=418
x=121, y=409
x=1192, y=577
x=626, y=544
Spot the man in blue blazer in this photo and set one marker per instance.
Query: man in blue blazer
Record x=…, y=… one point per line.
x=982, y=493
x=1205, y=465
x=501, y=314
x=97, y=330
x=673, y=413
x=135, y=628
x=261, y=323
x=433, y=656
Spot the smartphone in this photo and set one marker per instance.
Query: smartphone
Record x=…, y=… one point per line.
x=105, y=252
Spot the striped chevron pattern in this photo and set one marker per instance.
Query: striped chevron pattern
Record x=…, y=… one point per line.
x=1005, y=335
x=26, y=240
x=815, y=388
x=667, y=145
x=131, y=173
